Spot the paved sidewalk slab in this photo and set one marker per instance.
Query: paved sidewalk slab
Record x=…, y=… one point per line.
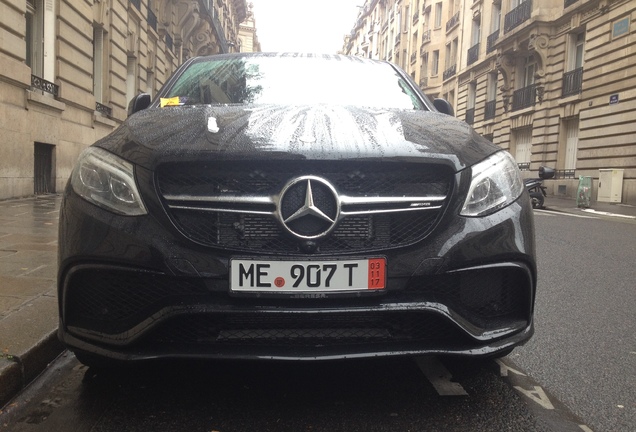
x=28, y=302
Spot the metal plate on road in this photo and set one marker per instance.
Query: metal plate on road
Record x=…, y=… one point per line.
x=250, y=275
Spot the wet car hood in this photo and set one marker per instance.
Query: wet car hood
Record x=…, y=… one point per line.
x=158, y=135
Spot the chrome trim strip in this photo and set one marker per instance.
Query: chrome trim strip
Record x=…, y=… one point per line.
x=413, y=203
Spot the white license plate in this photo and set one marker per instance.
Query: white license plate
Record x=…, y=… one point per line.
x=307, y=276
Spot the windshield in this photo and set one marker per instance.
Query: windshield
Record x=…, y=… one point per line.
x=293, y=80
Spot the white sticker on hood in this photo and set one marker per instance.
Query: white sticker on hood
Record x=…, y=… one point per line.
x=212, y=126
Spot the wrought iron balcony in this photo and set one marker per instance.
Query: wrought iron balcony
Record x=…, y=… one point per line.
x=450, y=72
x=491, y=109
x=452, y=22
x=413, y=57
x=424, y=82
x=524, y=98
x=572, y=82
x=473, y=54
x=518, y=16
x=426, y=37
x=44, y=85
x=470, y=116
x=490, y=42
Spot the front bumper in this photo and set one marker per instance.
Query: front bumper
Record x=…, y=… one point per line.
x=134, y=289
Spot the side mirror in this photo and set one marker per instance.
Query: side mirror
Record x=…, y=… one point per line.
x=546, y=173
x=443, y=106
x=138, y=103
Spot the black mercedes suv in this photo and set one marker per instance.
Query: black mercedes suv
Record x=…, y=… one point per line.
x=289, y=206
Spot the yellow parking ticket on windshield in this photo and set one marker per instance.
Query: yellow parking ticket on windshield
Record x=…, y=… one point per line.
x=173, y=101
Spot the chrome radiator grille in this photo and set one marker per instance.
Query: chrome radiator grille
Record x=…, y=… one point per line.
x=233, y=205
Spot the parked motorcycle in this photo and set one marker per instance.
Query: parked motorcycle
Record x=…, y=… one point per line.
x=535, y=186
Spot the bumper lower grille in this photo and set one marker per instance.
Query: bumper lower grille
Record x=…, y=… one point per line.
x=294, y=329
x=115, y=301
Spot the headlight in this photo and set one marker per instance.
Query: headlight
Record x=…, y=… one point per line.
x=495, y=184
x=107, y=181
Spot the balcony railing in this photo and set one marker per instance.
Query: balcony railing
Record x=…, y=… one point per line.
x=101, y=108
x=524, y=98
x=450, y=72
x=473, y=54
x=424, y=82
x=572, y=82
x=569, y=3
x=470, y=116
x=44, y=85
x=518, y=16
x=491, y=109
x=413, y=57
x=426, y=37
x=452, y=22
x=490, y=42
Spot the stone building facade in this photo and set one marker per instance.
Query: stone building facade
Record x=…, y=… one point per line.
x=552, y=81
x=68, y=69
x=248, y=39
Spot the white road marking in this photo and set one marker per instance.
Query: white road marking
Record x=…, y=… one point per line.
x=602, y=213
x=585, y=428
x=440, y=377
x=556, y=213
x=537, y=395
x=504, y=369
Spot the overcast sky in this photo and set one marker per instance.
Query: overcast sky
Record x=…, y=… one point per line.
x=304, y=25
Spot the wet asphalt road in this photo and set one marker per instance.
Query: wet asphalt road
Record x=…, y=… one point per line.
x=577, y=373
x=584, y=347
x=359, y=395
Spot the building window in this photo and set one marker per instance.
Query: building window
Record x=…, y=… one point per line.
x=98, y=64
x=525, y=95
x=491, y=96
x=435, y=63
x=131, y=78
x=522, y=139
x=35, y=37
x=573, y=76
x=473, y=51
x=571, y=143
x=470, y=108
x=438, y=15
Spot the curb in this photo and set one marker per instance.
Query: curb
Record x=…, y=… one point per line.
x=17, y=371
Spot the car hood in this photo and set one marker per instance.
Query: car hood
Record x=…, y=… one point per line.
x=267, y=132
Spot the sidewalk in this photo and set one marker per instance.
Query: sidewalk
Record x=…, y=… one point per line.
x=28, y=267
x=28, y=300
x=568, y=205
